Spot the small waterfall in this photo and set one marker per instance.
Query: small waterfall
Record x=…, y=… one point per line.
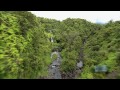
x=52, y=39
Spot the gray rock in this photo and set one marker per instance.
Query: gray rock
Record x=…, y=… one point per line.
x=80, y=64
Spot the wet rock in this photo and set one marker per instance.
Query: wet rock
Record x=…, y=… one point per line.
x=80, y=64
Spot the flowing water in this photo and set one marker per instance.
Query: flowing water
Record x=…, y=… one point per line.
x=54, y=69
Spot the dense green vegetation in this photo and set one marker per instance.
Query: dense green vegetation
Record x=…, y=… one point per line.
x=25, y=46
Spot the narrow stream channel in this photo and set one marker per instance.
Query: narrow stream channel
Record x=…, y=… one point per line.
x=55, y=66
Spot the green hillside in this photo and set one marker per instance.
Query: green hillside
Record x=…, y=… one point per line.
x=25, y=46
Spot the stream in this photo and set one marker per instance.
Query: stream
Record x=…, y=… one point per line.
x=55, y=66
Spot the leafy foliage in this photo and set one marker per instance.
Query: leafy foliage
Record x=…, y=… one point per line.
x=25, y=46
